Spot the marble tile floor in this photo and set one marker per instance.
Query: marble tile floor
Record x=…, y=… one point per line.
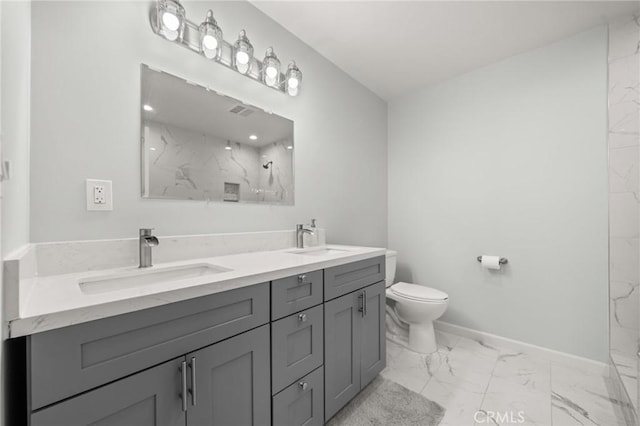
x=471, y=380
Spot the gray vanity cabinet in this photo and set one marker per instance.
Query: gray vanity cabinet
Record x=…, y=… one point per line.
x=229, y=384
x=354, y=344
x=149, y=398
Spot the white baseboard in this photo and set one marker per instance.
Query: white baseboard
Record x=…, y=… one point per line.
x=527, y=348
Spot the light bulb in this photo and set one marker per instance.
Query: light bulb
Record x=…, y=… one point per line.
x=170, y=21
x=271, y=72
x=253, y=137
x=210, y=42
x=293, y=82
x=147, y=107
x=242, y=57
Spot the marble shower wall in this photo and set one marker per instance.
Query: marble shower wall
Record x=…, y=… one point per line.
x=624, y=199
x=277, y=181
x=182, y=164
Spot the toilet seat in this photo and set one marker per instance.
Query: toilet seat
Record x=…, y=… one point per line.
x=418, y=292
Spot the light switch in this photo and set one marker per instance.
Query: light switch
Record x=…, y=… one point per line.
x=99, y=195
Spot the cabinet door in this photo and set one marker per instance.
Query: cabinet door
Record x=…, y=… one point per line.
x=149, y=398
x=230, y=384
x=342, y=324
x=374, y=347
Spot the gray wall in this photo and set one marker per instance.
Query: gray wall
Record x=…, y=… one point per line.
x=16, y=39
x=86, y=124
x=510, y=160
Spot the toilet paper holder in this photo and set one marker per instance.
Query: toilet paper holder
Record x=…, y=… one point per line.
x=502, y=261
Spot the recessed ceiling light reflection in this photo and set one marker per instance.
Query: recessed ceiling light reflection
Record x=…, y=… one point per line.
x=253, y=137
x=290, y=147
x=147, y=107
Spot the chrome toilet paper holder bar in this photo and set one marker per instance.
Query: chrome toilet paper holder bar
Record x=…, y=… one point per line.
x=502, y=261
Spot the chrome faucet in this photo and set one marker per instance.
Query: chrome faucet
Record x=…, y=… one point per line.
x=146, y=242
x=300, y=231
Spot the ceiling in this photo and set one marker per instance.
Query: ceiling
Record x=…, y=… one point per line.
x=394, y=47
x=186, y=105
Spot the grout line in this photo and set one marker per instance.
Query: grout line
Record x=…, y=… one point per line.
x=551, y=390
x=495, y=364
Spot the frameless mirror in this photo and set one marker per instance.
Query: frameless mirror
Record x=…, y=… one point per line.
x=200, y=145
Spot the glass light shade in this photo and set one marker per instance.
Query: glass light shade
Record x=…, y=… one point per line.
x=243, y=52
x=210, y=37
x=271, y=68
x=293, y=79
x=171, y=18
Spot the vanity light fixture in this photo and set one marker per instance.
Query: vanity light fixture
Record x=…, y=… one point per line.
x=147, y=107
x=206, y=39
x=228, y=147
x=271, y=68
x=242, y=53
x=293, y=79
x=170, y=16
x=210, y=37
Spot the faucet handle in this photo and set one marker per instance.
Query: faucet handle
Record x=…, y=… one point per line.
x=313, y=223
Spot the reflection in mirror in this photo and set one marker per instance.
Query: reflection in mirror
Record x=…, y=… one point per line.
x=199, y=145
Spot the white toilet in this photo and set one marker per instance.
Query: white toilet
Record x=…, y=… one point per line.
x=416, y=306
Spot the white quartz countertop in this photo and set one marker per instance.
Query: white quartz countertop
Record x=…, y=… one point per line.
x=57, y=301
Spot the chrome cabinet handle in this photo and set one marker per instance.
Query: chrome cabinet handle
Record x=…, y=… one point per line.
x=183, y=394
x=361, y=303
x=364, y=303
x=303, y=385
x=301, y=278
x=193, y=381
x=302, y=317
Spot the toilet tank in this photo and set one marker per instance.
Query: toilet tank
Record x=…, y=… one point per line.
x=390, y=267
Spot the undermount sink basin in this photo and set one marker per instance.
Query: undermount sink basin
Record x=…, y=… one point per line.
x=318, y=251
x=145, y=277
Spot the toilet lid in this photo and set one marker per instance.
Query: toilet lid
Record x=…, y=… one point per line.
x=419, y=292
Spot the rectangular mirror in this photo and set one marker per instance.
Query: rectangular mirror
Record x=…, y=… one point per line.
x=200, y=145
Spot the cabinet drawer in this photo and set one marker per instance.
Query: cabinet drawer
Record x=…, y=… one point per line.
x=74, y=359
x=296, y=346
x=149, y=398
x=293, y=294
x=302, y=403
x=344, y=279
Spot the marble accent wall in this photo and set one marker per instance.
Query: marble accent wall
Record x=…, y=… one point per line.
x=624, y=199
x=182, y=164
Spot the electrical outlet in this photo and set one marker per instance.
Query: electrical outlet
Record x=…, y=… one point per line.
x=99, y=195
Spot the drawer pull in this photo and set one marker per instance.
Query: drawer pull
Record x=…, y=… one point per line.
x=364, y=303
x=183, y=393
x=193, y=381
x=303, y=385
x=302, y=278
x=302, y=317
